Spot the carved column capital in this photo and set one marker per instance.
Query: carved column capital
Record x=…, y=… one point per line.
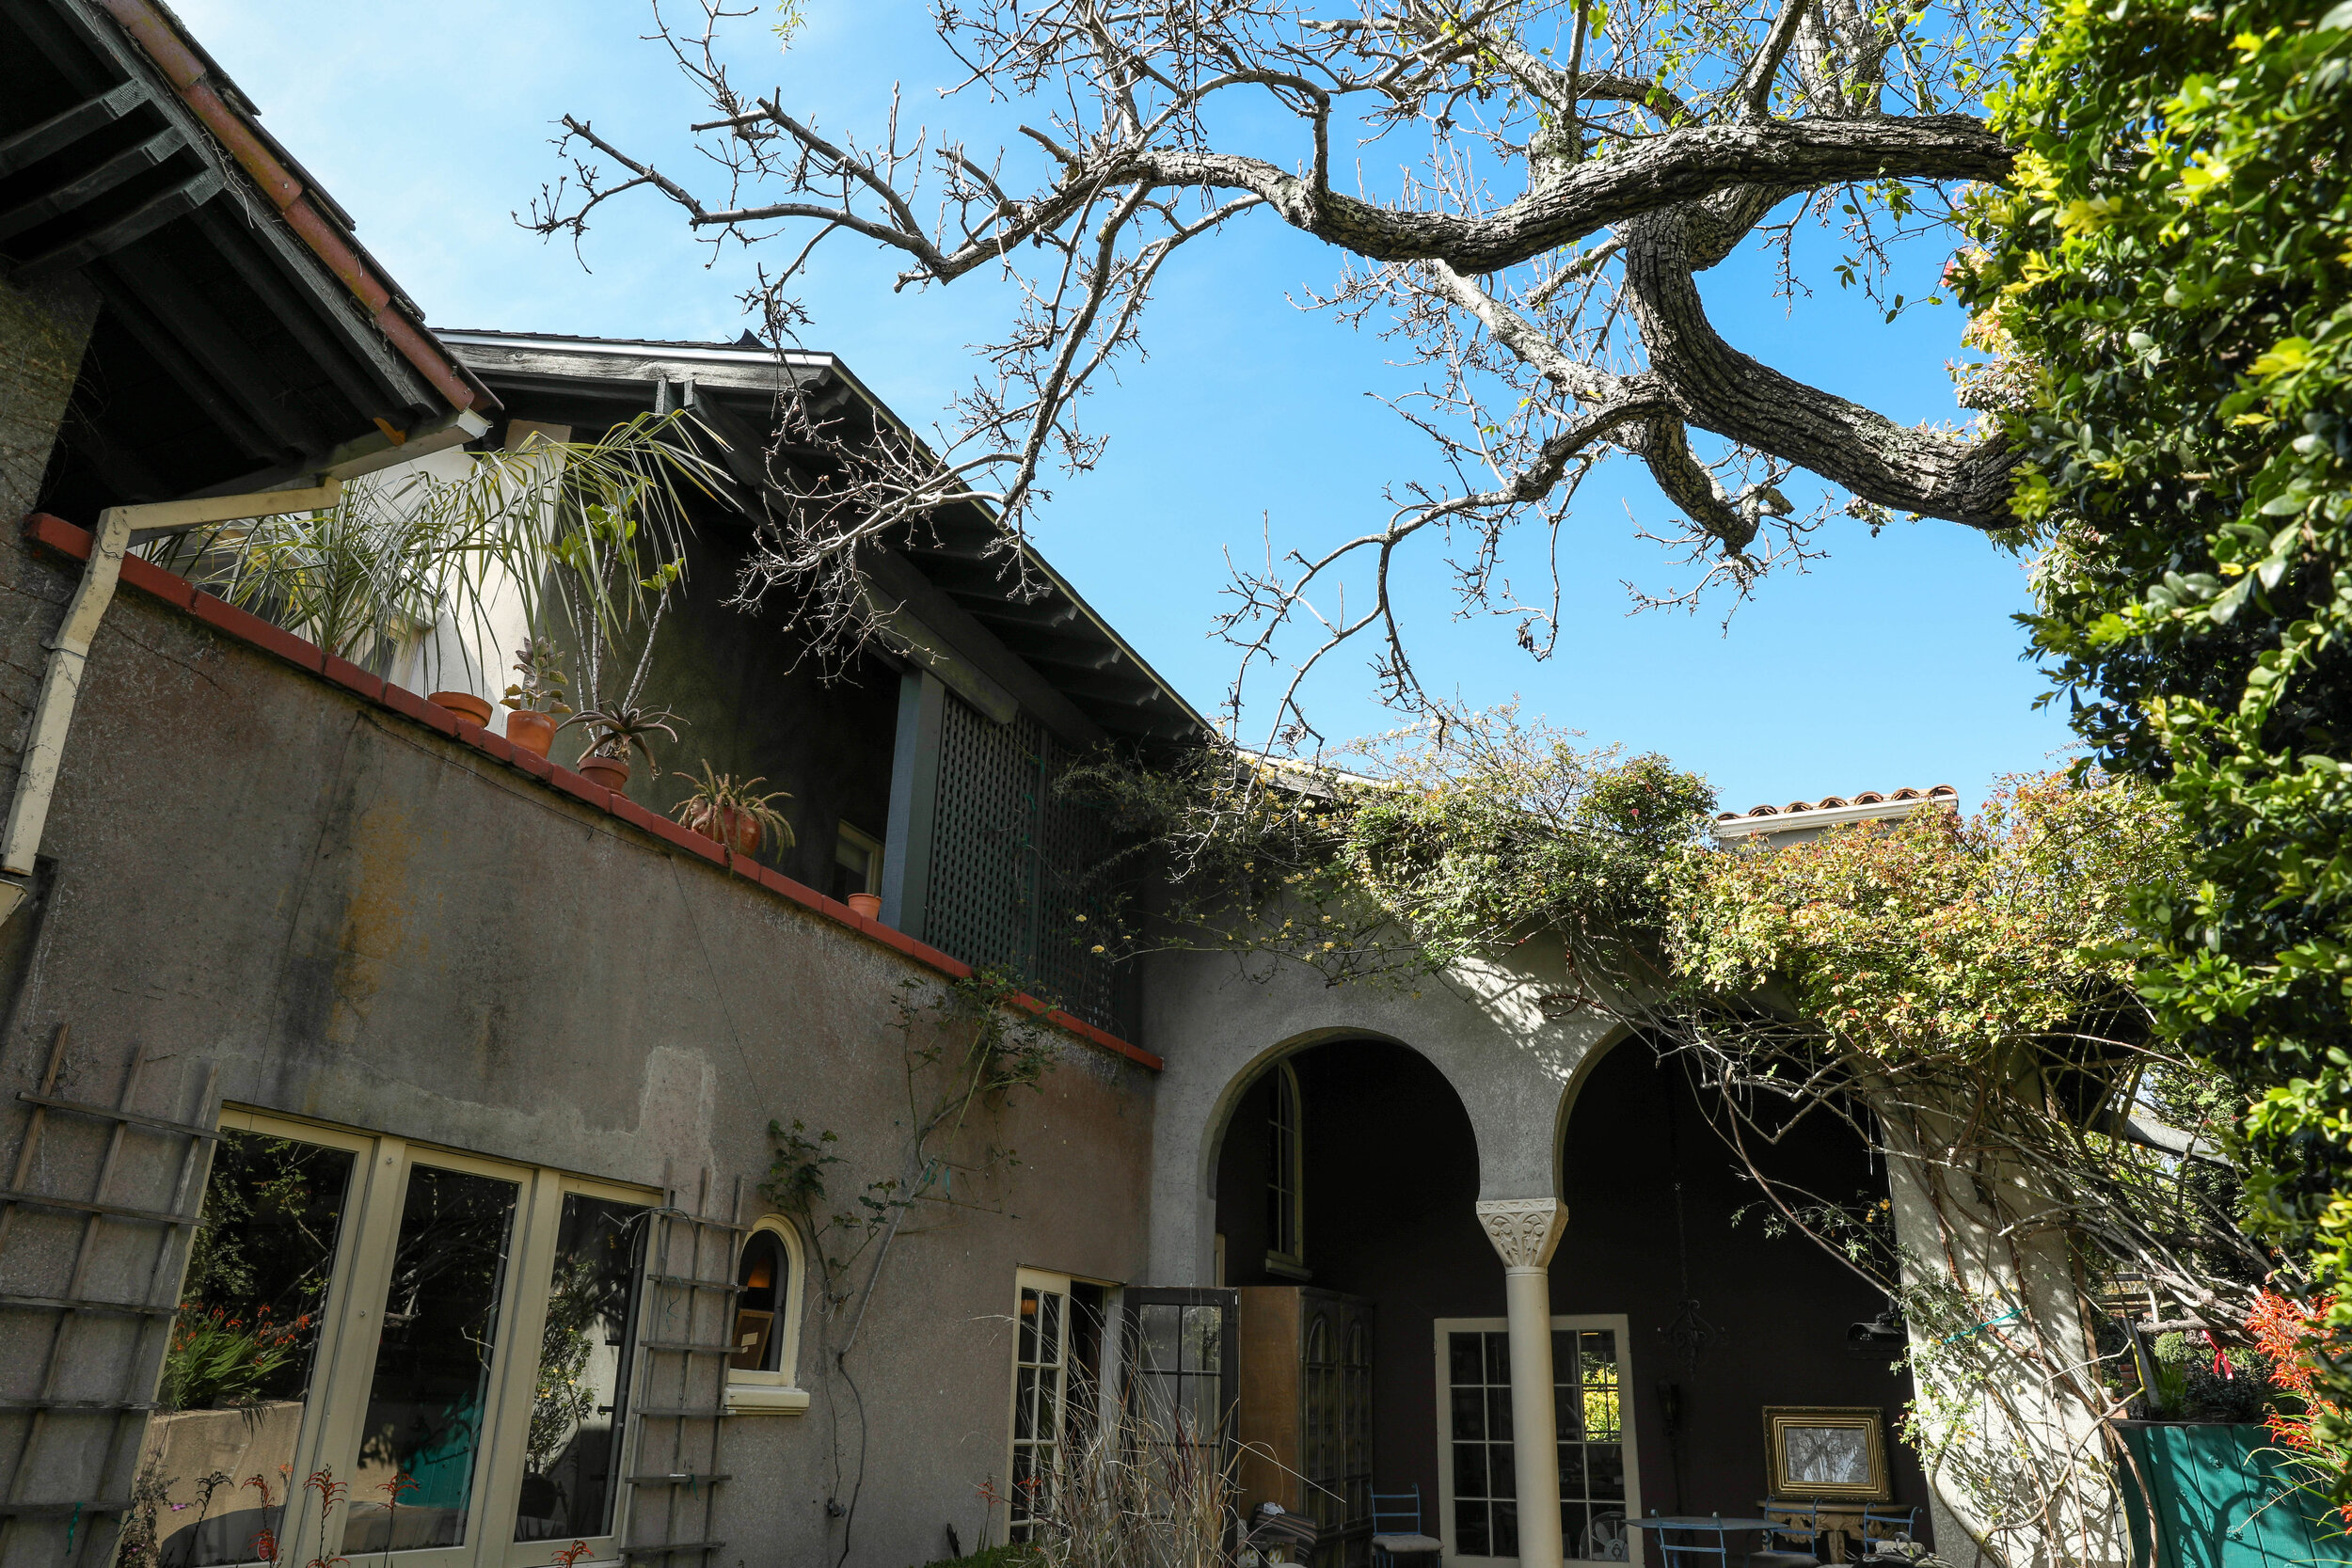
x=1523, y=1229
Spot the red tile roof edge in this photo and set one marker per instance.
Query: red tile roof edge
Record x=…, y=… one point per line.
x=1831, y=802
x=64, y=538
x=192, y=75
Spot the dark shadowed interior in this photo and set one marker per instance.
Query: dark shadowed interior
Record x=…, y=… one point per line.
x=1390, y=1180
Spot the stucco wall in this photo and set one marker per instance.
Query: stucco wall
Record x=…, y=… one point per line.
x=360, y=921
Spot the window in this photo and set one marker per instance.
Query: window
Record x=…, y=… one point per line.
x=1286, y=1251
x=452, y=1338
x=1057, y=1382
x=1478, y=1481
x=857, y=861
x=761, y=1371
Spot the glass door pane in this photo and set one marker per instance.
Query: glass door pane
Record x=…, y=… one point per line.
x=237, y=1373
x=1588, y=1389
x=579, y=1404
x=422, y=1431
x=1486, y=1474
x=1039, y=1363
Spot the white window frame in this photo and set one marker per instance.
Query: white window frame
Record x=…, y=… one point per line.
x=1291, y=1180
x=1616, y=1322
x=1105, y=1402
x=776, y=1393
x=844, y=833
x=343, y=1368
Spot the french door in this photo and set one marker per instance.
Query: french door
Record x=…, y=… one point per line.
x=394, y=1351
x=1592, y=1438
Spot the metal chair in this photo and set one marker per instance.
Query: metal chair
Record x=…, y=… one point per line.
x=1793, y=1541
x=1697, y=1552
x=1886, y=1525
x=1396, y=1530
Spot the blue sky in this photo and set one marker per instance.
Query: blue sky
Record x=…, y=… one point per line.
x=1894, y=662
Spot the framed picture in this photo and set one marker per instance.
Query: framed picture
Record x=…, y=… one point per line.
x=1826, y=1452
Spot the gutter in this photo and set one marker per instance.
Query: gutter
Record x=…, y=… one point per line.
x=69, y=650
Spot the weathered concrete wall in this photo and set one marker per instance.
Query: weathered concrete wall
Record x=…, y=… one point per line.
x=360, y=921
x=43, y=331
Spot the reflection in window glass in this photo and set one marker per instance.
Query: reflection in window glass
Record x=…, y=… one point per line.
x=1589, y=1419
x=1485, y=1478
x=581, y=1401
x=1180, y=1353
x=440, y=1323
x=765, y=1274
x=218, y=1455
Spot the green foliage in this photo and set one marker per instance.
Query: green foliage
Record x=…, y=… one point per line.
x=1942, y=936
x=1013, y=1554
x=2174, y=266
x=217, y=1362
x=1410, y=852
x=370, y=577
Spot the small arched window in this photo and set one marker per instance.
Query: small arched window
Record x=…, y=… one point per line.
x=767, y=1275
x=1286, y=1246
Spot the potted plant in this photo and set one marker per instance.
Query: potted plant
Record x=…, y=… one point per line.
x=473, y=709
x=535, y=699
x=736, y=815
x=617, y=730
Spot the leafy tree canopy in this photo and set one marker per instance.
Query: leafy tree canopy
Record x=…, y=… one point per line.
x=2170, y=267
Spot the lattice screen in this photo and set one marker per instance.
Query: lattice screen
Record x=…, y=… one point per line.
x=1010, y=863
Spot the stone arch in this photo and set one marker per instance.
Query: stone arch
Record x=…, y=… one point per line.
x=1573, y=1090
x=1509, y=1066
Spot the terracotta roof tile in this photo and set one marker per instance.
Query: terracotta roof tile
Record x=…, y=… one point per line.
x=1831, y=802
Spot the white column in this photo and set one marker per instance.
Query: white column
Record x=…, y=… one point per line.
x=1525, y=1230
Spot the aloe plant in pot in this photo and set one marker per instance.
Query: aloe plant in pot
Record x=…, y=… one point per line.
x=738, y=814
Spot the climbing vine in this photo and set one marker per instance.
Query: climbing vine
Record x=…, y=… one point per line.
x=1959, y=993
x=970, y=1043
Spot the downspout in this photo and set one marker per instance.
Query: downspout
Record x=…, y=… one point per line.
x=69, y=650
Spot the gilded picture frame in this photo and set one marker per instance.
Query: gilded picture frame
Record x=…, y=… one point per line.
x=1826, y=1453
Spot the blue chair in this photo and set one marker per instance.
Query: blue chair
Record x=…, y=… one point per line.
x=1794, y=1540
x=1396, y=1528
x=1887, y=1525
x=1705, y=1545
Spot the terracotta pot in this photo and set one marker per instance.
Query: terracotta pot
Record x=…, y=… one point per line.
x=612, y=773
x=532, y=731
x=463, y=704
x=732, y=828
x=866, y=904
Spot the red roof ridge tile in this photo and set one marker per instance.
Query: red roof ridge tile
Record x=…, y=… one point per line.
x=1833, y=802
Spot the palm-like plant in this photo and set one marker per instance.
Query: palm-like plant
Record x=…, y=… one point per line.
x=591, y=531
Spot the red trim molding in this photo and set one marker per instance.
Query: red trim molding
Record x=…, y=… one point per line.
x=57, y=534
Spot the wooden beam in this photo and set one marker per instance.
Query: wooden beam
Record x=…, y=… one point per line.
x=190, y=376
x=141, y=221
x=91, y=184
x=36, y=142
x=193, y=320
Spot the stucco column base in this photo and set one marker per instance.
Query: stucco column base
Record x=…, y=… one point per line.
x=1525, y=1231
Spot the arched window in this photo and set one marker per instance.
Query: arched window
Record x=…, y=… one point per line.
x=1286, y=1246
x=761, y=1372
